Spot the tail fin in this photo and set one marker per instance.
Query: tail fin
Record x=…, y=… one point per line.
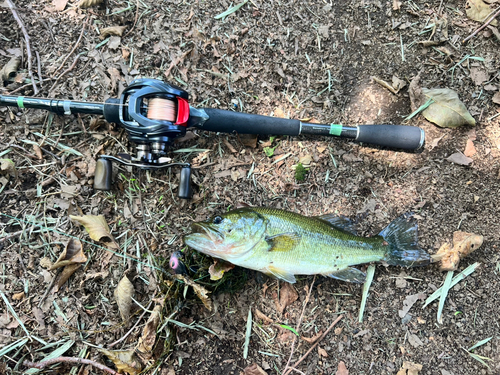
x=404, y=251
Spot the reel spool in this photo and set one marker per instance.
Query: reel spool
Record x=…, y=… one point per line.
x=153, y=113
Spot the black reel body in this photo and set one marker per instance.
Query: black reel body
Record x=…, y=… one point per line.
x=153, y=113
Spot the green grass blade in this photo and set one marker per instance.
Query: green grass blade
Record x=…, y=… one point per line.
x=14, y=345
x=480, y=359
x=230, y=10
x=56, y=353
x=289, y=328
x=480, y=343
x=462, y=275
x=444, y=294
x=366, y=287
x=13, y=312
x=248, y=333
x=420, y=109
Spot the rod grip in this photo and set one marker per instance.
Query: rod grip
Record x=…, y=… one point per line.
x=393, y=136
x=245, y=123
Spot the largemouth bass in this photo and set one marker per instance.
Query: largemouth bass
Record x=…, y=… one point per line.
x=284, y=244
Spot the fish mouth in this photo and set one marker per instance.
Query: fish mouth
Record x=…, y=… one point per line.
x=205, y=229
x=204, y=238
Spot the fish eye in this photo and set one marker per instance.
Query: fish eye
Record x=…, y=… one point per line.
x=217, y=220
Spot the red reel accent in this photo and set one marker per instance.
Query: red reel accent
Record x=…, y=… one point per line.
x=182, y=112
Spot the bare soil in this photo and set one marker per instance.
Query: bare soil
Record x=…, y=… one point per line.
x=298, y=59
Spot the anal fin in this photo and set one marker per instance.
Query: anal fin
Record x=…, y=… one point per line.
x=350, y=274
x=280, y=274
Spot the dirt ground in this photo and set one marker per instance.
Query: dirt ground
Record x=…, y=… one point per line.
x=298, y=59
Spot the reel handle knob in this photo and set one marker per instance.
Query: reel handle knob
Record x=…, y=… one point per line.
x=103, y=173
x=185, y=191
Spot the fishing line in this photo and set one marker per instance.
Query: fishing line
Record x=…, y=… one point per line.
x=85, y=241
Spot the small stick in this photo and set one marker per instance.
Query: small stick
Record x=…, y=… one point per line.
x=315, y=344
x=135, y=19
x=478, y=30
x=299, y=323
x=27, y=39
x=39, y=70
x=64, y=73
x=72, y=50
x=81, y=361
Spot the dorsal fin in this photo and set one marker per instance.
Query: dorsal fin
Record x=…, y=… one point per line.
x=340, y=222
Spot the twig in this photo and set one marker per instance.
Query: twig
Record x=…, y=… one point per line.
x=81, y=361
x=135, y=19
x=26, y=85
x=299, y=323
x=39, y=68
x=479, y=29
x=64, y=73
x=72, y=50
x=314, y=346
x=27, y=39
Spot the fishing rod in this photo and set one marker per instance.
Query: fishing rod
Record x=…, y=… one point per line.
x=154, y=113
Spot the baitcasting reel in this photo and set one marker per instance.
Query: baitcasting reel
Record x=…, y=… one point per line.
x=153, y=113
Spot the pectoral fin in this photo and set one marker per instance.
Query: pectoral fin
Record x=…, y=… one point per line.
x=340, y=222
x=352, y=275
x=280, y=274
x=283, y=241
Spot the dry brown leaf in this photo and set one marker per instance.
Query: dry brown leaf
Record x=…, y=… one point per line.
x=88, y=3
x=65, y=275
x=218, y=269
x=248, y=140
x=410, y=368
x=342, y=369
x=479, y=11
x=18, y=296
x=72, y=254
x=470, y=150
x=396, y=5
x=113, y=30
x=254, y=369
x=123, y=297
x=463, y=244
x=459, y=158
x=148, y=338
x=9, y=71
x=409, y=302
x=496, y=98
x=288, y=295
x=385, y=84
x=446, y=110
x=124, y=360
x=59, y=5
x=278, y=112
x=38, y=151
x=306, y=160
x=478, y=75
x=322, y=352
x=7, y=166
x=200, y=291
x=98, y=229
